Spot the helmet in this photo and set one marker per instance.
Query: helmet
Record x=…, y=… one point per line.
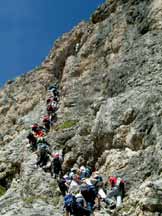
x=112, y=180
x=82, y=168
x=55, y=155
x=34, y=127
x=49, y=100
x=45, y=118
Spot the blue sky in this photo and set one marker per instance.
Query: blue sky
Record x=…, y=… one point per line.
x=28, y=29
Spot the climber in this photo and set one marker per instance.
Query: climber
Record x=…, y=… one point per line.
x=88, y=171
x=56, y=168
x=52, y=99
x=99, y=179
x=52, y=107
x=75, y=183
x=43, y=152
x=77, y=47
x=47, y=123
x=81, y=208
x=42, y=143
x=72, y=172
x=54, y=90
x=85, y=172
x=117, y=191
x=70, y=204
x=32, y=141
x=38, y=131
x=75, y=204
x=62, y=184
x=89, y=193
x=82, y=172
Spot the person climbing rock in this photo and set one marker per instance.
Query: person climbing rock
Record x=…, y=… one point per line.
x=47, y=122
x=85, y=172
x=75, y=204
x=37, y=130
x=51, y=110
x=43, y=152
x=42, y=143
x=77, y=46
x=32, y=141
x=75, y=183
x=56, y=168
x=89, y=193
x=54, y=90
x=81, y=209
x=82, y=172
x=43, y=157
x=62, y=185
x=52, y=99
x=72, y=172
x=70, y=205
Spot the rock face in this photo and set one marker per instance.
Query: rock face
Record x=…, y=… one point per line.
x=110, y=76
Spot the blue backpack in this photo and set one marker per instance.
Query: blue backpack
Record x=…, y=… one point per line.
x=70, y=203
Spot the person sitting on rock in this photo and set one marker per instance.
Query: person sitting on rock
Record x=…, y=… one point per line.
x=56, y=167
x=32, y=141
x=117, y=191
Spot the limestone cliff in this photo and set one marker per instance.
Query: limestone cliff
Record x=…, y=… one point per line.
x=110, y=75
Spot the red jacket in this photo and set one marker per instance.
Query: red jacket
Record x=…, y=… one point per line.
x=113, y=181
x=39, y=133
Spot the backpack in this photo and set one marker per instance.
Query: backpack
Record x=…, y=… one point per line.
x=56, y=165
x=50, y=108
x=89, y=192
x=46, y=118
x=121, y=186
x=88, y=172
x=70, y=203
x=43, y=148
x=80, y=201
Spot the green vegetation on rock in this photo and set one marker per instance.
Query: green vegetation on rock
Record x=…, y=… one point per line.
x=67, y=124
x=31, y=199
x=2, y=190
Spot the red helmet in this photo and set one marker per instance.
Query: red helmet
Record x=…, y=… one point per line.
x=112, y=180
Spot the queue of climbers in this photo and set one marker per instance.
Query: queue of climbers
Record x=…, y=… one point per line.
x=84, y=190
x=37, y=143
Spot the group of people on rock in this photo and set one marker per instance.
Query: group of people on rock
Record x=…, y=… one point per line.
x=36, y=138
x=84, y=190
